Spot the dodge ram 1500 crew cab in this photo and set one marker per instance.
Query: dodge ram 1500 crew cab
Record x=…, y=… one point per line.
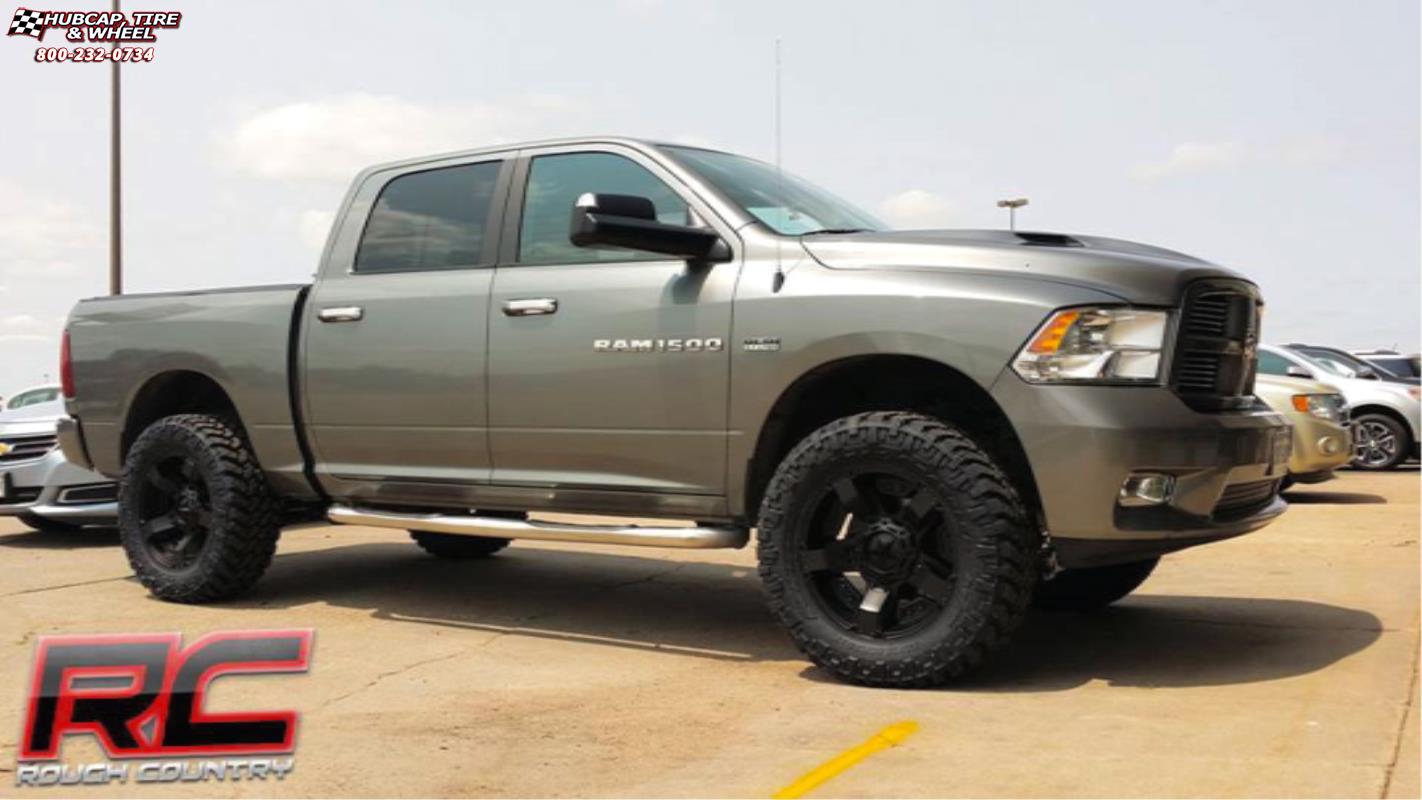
x=928, y=429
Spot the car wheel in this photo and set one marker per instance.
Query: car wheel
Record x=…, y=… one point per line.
x=459, y=546
x=1091, y=588
x=48, y=525
x=895, y=550
x=196, y=516
x=1379, y=442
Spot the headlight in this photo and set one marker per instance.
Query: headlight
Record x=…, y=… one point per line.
x=1095, y=345
x=1323, y=406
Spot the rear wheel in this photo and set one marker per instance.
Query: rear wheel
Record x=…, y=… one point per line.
x=1379, y=442
x=895, y=551
x=461, y=547
x=196, y=516
x=1091, y=588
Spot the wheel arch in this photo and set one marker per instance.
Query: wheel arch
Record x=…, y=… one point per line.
x=879, y=382
x=177, y=391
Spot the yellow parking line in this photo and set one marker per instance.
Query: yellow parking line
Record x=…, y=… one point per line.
x=891, y=736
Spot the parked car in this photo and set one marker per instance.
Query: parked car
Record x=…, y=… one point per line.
x=1386, y=417
x=1345, y=363
x=37, y=483
x=34, y=396
x=550, y=327
x=1398, y=364
x=1323, y=440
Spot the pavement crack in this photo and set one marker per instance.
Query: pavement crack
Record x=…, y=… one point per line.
x=370, y=684
x=645, y=578
x=76, y=584
x=1401, y=728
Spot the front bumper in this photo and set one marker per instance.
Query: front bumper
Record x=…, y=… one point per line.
x=1320, y=446
x=54, y=488
x=1082, y=442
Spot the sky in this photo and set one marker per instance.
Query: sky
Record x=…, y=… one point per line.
x=1277, y=138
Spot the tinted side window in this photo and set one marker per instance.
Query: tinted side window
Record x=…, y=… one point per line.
x=429, y=220
x=556, y=182
x=1271, y=364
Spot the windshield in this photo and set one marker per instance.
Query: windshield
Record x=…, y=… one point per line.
x=782, y=202
x=1337, y=363
x=33, y=397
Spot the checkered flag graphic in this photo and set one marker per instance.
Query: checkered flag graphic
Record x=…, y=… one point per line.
x=27, y=23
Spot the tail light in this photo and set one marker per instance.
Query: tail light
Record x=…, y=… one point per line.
x=66, y=367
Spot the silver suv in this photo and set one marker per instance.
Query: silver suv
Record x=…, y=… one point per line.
x=37, y=483
x=1387, y=417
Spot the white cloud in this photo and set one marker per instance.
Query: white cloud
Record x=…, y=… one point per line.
x=41, y=236
x=917, y=208
x=1190, y=158
x=313, y=226
x=1309, y=151
x=332, y=138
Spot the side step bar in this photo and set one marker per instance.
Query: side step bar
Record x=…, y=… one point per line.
x=698, y=537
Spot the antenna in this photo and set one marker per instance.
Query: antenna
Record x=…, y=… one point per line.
x=779, y=174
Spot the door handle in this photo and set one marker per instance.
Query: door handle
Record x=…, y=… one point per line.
x=341, y=314
x=530, y=307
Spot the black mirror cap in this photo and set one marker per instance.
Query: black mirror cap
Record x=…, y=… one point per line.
x=629, y=221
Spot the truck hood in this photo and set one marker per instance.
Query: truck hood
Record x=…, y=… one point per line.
x=1137, y=273
x=32, y=419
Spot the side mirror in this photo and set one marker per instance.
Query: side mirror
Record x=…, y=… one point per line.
x=624, y=220
x=1295, y=371
x=1367, y=373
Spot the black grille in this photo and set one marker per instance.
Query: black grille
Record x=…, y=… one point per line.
x=1243, y=499
x=24, y=448
x=95, y=493
x=1214, y=364
x=20, y=496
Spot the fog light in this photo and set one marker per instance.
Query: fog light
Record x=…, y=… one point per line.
x=1146, y=489
x=1330, y=446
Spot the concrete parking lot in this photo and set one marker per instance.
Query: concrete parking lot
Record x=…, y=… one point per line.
x=1282, y=664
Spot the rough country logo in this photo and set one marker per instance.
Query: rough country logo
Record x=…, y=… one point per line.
x=141, y=697
x=123, y=34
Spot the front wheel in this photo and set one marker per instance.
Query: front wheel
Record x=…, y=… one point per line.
x=196, y=516
x=1091, y=588
x=1379, y=442
x=895, y=551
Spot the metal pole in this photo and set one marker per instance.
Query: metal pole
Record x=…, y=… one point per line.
x=115, y=176
x=1012, y=218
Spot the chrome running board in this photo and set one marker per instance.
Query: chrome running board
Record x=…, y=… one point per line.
x=697, y=538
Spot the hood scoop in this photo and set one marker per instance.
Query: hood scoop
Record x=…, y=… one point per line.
x=1048, y=239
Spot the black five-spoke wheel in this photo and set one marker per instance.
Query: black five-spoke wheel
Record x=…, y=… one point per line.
x=876, y=553
x=196, y=516
x=894, y=550
x=175, y=511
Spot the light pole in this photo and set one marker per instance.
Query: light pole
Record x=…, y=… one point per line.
x=1012, y=206
x=115, y=174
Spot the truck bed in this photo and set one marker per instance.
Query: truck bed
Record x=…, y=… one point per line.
x=241, y=338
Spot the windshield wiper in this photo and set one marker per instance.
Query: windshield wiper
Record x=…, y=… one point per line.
x=835, y=230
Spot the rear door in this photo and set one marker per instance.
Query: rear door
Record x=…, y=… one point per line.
x=395, y=346
x=618, y=378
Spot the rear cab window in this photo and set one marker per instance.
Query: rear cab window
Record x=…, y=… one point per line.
x=432, y=220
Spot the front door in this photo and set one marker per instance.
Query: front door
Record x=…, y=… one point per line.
x=395, y=346
x=608, y=369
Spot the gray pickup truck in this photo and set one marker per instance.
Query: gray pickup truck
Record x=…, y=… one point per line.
x=928, y=429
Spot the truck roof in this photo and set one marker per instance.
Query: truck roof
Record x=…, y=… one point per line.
x=628, y=141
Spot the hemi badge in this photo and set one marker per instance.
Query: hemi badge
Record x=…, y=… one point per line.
x=757, y=344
